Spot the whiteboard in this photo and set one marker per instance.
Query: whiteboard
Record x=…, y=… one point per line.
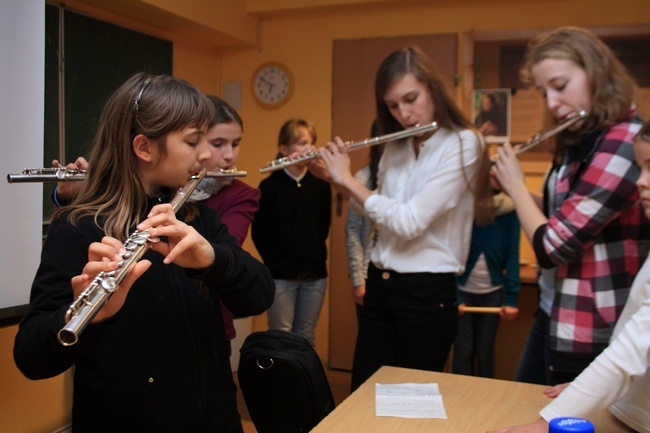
x=22, y=83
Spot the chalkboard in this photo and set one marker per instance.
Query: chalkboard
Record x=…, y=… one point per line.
x=97, y=58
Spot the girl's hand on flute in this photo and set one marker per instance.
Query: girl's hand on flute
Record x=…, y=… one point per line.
x=319, y=169
x=105, y=256
x=184, y=247
x=316, y=166
x=67, y=191
x=336, y=158
x=508, y=171
x=304, y=151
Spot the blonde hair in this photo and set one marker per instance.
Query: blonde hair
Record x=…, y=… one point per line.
x=144, y=104
x=291, y=131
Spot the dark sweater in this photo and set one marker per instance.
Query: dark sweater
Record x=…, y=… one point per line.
x=291, y=227
x=161, y=363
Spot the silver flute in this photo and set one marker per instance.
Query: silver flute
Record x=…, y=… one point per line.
x=61, y=174
x=280, y=163
x=94, y=297
x=542, y=136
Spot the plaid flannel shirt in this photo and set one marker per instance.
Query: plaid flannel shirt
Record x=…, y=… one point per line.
x=597, y=237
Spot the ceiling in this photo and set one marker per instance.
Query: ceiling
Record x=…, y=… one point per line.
x=235, y=22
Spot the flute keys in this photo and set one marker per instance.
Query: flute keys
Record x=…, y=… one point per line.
x=140, y=237
x=132, y=245
x=144, y=237
x=109, y=284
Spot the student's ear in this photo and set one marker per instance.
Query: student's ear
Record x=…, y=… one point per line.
x=284, y=149
x=142, y=147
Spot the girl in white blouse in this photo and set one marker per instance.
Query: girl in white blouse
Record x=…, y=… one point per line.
x=428, y=187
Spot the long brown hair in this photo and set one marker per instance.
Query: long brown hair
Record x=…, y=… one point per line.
x=610, y=84
x=144, y=104
x=447, y=115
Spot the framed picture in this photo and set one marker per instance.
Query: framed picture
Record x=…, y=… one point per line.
x=491, y=114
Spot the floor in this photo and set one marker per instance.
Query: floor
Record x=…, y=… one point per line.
x=339, y=384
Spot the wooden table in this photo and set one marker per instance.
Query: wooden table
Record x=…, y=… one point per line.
x=472, y=404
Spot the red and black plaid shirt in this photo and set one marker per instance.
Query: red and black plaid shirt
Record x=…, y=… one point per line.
x=597, y=237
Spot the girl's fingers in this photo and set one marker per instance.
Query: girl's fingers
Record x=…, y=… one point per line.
x=108, y=247
x=135, y=273
x=118, y=298
x=92, y=269
x=341, y=145
x=79, y=282
x=162, y=214
x=556, y=390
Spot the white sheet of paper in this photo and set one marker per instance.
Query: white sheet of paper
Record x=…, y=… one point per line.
x=409, y=400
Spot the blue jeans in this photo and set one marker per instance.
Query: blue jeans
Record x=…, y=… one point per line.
x=474, y=345
x=297, y=305
x=533, y=364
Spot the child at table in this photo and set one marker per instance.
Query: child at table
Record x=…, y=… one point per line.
x=619, y=378
x=595, y=236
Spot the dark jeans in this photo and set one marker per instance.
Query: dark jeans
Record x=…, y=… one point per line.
x=408, y=320
x=474, y=345
x=533, y=363
x=565, y=367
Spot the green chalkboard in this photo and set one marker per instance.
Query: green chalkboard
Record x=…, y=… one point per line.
x=97, y=58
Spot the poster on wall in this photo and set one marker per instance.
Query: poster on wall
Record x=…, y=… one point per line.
x=491, y=114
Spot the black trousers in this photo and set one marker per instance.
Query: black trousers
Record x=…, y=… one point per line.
x=408, y=320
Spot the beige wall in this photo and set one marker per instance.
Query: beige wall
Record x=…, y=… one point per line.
x=302, y=39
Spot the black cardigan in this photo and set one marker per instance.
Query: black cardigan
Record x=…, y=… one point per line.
x=290, y=228
x=161, y=363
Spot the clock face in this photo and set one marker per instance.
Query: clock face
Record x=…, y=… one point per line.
x=272, y=85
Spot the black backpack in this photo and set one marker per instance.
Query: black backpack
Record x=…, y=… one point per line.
x=283, y=382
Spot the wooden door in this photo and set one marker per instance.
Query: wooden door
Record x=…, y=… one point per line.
x=354, y=66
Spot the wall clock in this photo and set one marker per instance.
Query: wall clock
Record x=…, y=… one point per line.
x=272, y=84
